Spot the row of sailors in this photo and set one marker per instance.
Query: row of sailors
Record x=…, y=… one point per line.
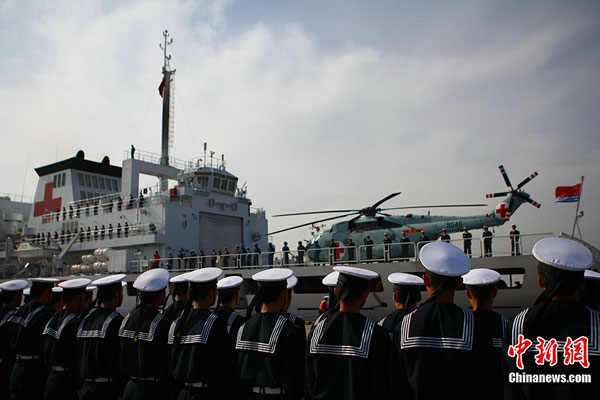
x=436, y=350
x=91, y=206
x=89, y=235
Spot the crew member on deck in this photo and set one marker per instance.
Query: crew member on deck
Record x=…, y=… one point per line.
x=200, y=355
x=348, y=354
x=28, y=376
x=515, y=241
x=590, y=295
x=404, y=247
x=369, y=248
x=143, y=335
x=406, y=296
x=560, y=317
x=444, y=236
x=59, y=341
x=11, y=297
x=269, y=350
x=387, y=241
x=487, y=242
x=180, y=296
x=300, y=249
x=440, y=351
x=481, y=289
x=98, y=346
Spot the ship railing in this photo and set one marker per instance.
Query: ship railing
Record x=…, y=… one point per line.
x=153, y=158
x=18, y=197
x=108, y=233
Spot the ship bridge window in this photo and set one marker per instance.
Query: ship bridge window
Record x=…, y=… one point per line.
x=95, y=182
x=88, y=181
x=231, y=187
x=101, y=182
x=224, y=184
x=216, y=182
x=115, y=185
x=202, y=181
x=80, y=179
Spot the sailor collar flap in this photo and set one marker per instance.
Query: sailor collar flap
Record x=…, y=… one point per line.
x=413, y=326
x=194, y=338
x=262, y=347
x=25, y=321
x=145, y=336
x=55, y=333
x=7, y=316
x=361, y=350
x=95, y=333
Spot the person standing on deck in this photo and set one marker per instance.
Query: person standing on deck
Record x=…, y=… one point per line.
x=467, y=237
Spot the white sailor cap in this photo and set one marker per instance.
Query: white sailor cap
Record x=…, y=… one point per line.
x=331, y=279
x=564, y=254
x=591, y=275
x=27, y=291
x=402, y=279
x=272, y=275
x=444, y=259
x=109, y=280
x=292, y=281
x=124, y=284
x=13, y=286
x=44, y=281
x=74, y=284
x=481, y=277
x=57, y=289
x=152, y=280
x=181, y=278
x=356, y=272
x=204, y=275
x=91, y=288
x=230, y=282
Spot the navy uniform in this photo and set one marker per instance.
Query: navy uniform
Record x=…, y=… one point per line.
x=467, y=237
x=97, y=349
x=348, y=354
x=515, y=241
x=445, y=237
x=487, y=242
x=298, y=322
x=199, y=352
x=143, y=336
x=269, y=349
x=28, y=375
x=439, y=342
x=11, y=295
x=404, y=286
x=404, y=246
x=558, y=319
x=59, y=341
x=180, y=288
x=369, y=248
x=481, y=283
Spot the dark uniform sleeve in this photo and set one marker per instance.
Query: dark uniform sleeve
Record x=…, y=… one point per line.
x=399, y=384
x=380, y=352
x=292, y=375
x=309, y=377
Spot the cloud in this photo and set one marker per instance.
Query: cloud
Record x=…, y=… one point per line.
x=308, y=126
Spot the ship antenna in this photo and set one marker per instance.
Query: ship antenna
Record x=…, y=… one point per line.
x=167, y=111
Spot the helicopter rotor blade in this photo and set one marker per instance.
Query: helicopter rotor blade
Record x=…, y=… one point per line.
x=311, y=223
x=505, y=176
x=314, y=212
x=531, y=201
x=499, y=194
x=524, y=182
x=435, y=206
x=385, y=199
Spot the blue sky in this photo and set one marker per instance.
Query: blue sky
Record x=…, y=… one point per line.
x=317, y=104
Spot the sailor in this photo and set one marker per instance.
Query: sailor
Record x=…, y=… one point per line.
x=11, y=295
x=243, y=256
x=590, y=295
x=330, y=281
x=301, y=249
x=481, y=288
x=487, y=242
x=386, y=247
x=59, y=338
x=270, y=254
x=423, y=240
x=348, y=354
x=369, y=248
x=225, y=258
x=297, y=321
x=228, y=290
x=406, y=297
x=404, y=246
x=256, y=255
x=180, y=296
x=200, y=353
x=236, y=256
x=332, y=250
x=467, y=241
x=515, y=241
x=286, y=254
x=444, y=236
x=28, y=374
x=317, y=252
x=97, y=349
x=440, y=338
x=269, y=350
x=323, y=306
x=56, y=300
x=143, y=336
x=26, y=295
x=561, y=319
x=351, y=247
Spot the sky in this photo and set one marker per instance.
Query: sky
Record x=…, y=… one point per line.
x=319, y=105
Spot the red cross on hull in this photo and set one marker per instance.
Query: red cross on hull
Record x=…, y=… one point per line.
x=48, y=204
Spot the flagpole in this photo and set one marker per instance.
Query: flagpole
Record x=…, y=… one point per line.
x=577, y=210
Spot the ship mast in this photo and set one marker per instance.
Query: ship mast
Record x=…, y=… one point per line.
x=167, y=111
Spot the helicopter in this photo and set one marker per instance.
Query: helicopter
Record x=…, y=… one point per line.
x=373, y=221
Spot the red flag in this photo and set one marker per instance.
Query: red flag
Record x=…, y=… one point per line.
x=161, y=87
x=568, y=194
